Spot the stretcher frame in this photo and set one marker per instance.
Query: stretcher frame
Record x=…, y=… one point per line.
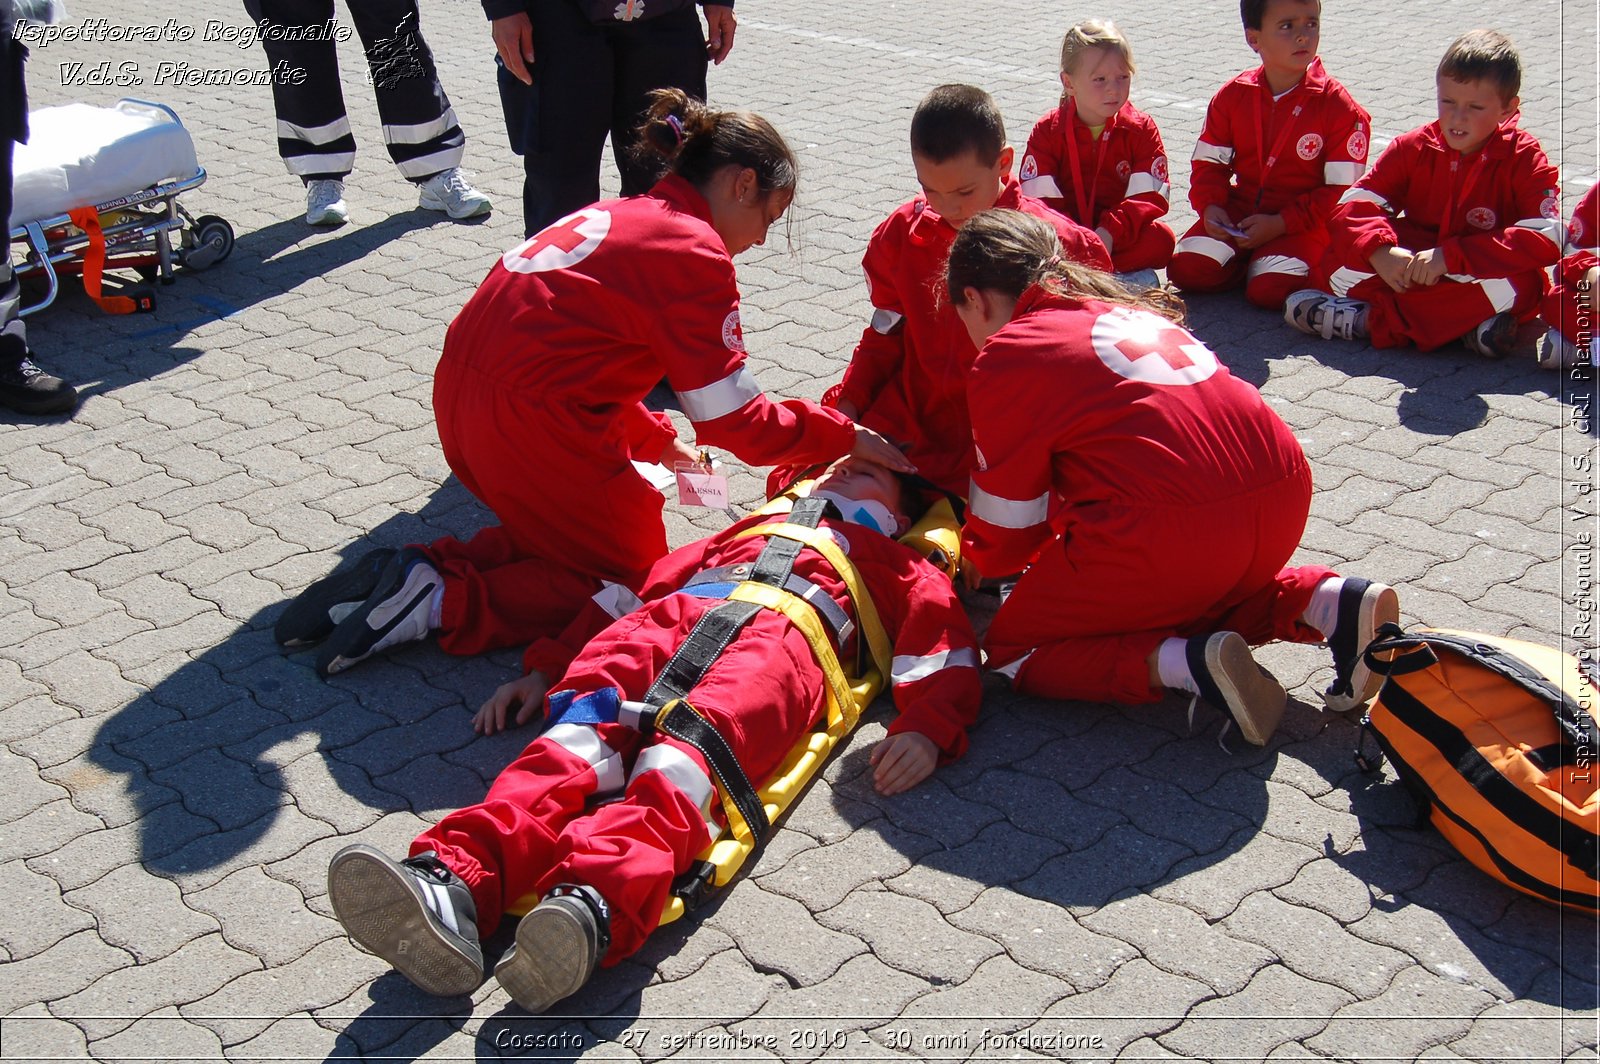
x=138, y=230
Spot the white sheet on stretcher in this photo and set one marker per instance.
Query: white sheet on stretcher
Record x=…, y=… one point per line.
x=79, y=155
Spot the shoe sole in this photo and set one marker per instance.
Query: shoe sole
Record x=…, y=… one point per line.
x=383, y=911
x=428, y=203
x=552, y=959
x=41, y=408
x=309, y=618
x=1256, y=700
x=356, y=637
x=1380, y=605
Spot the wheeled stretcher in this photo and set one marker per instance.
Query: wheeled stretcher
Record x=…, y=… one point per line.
x=97, y=188
x=849, y=691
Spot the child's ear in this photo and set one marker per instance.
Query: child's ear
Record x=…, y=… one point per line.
x=1066, y=83
x=1253, y=39
x=1511, y=108
x=1008, y=155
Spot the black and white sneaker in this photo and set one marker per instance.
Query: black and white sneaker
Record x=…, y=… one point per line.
x=317, y=610
x=1364, y=607
x=416, y=914
x=397, y=610
x=1494, y=338
x=1225, y=676
x=558, y=946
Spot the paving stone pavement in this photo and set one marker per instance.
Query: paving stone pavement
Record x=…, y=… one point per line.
x=1089, y=883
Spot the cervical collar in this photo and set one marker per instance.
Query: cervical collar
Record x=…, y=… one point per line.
x=869, y=513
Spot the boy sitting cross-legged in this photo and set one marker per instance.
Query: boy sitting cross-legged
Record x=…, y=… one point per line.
x=1448, y=236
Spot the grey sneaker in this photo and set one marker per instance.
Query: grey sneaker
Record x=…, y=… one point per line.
x=416, y=914
x=1226, y=677
x=449, y=192
x=397, y=610
x=1320, y=314
x=325, y=202
x=1495, y=338
x=558, y=946
x=1557, y=352
x=1364, y=607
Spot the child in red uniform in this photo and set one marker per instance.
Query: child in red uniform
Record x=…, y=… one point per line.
x=1569, y=307
x=605, y=869
x=1449, y=235
x=1279, y=144
x=1150, y=498
x=1098, y=159
x=539, y=395
x=907, y=377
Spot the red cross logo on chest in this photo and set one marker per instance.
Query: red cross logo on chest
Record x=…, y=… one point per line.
x=1168, y=346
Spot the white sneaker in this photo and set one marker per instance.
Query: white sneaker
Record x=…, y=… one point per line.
x=449, y=192
x=325, y=202
x=1320, y=314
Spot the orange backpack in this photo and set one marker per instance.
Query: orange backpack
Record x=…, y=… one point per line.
x=1496, y=738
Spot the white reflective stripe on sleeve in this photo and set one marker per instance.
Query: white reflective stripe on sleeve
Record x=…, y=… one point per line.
x=683, y=773
x=436, y=163
x=907, y=667
x=721, y=398
x=339, y=127
x=585, y=742
x=1344, y=279
x=1281, y=264
x=1363, y=195
x=1549, y=228
x=1009, y=513
x=1212, y=153
x=421, y=132
x=1010, y=670
x=886, y=321
x=1139, y=184
x=1342, y=173
x=616, y=600
x=1041, y=186
x=1210, y=247
x=336, y=163
x=1502, y=295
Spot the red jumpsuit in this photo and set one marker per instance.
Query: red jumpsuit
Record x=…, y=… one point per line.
x=1291, y=156
x=1148, y=492
x=538, y=400
x=1495, y=215
x=1116, y=182
x=908, y=375
x=1569, y=308
x=536, y=827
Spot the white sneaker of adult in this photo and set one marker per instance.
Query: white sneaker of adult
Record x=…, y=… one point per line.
x=450, y=192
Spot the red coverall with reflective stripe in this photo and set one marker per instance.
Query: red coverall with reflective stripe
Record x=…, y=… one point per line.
x=1121, y=177
x=1145, y=490
x=1256, y=155
x=538, y=400
x=1494, y=214
x=533, y=832
x=1569, y=308
x=908, y=375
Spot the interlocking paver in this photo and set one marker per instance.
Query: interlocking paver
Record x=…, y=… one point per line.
x=761, y=923
x=1448, y=1006
x=1179, y=942
x=910, y=935
x=142, y=913
x=1045, y=938
x=1277, y=1007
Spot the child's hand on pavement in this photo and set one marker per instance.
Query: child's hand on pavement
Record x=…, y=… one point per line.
x=902, y=761
x=525, y=696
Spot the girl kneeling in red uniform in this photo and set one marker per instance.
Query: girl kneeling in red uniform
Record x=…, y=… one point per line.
x=1150, y=498
x=538, y=397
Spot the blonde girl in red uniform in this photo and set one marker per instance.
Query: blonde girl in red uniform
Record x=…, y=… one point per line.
x=1098, y=159
x=538, y=398
x=1150, y=499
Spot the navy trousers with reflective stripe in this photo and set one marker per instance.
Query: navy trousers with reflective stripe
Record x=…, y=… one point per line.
x=314, y=137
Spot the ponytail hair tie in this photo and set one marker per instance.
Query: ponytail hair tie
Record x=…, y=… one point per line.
x=677, y=128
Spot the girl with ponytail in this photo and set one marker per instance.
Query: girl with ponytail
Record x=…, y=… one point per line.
x=539, y=401
x=1150, y=499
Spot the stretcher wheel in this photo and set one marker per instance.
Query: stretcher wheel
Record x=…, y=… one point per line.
x=208, y=243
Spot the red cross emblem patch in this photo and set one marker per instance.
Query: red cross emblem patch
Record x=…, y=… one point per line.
x=1146, y=347
x=561, y=244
